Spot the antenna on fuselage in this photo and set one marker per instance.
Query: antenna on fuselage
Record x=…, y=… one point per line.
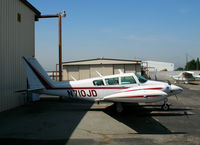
x=120, y=71
x=99, y=74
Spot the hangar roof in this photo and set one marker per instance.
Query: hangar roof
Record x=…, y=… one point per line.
x=37, y=12
x=102, y=61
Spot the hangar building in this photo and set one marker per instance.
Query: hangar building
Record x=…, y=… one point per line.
x=83, y=69
x=17, y=39
x=158, y=66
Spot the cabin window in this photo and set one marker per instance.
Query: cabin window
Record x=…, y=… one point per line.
x=112, y=81
x=141, y=78
x=128, y=80
x=98, y=82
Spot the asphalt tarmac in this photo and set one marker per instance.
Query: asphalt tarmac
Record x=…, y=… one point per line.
x=74, y=122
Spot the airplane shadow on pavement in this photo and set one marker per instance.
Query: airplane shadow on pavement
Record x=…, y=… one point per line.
x=47, y=122
x=140, y=118
x=50, y=122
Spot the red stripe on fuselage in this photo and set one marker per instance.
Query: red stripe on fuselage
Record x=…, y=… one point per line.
x=136, y=96
x=79, y=88
x=141, y=89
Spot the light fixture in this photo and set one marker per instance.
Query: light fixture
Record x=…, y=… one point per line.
x=63, y=14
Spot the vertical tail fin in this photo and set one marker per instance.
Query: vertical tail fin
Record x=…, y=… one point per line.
x=37, y=76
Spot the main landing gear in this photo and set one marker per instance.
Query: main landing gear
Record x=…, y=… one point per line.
x=119, y=108
x=165, y=106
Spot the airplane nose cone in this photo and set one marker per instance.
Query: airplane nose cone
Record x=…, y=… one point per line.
x=176, y=89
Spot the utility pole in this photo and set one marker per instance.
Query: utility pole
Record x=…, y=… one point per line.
x=61, y=14
x=186, y=57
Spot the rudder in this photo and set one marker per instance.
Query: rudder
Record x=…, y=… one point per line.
x=37, y=76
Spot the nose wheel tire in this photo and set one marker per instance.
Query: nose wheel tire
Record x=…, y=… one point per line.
x=165, y=107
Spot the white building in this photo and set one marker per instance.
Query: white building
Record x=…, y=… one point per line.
x=17, y=39
x=158, y=66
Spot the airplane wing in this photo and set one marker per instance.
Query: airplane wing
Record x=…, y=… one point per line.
x=136, y=96
x=184, y=76
x=188, y=75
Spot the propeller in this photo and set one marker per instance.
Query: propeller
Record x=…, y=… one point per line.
x=176, y=97
x=169, y=83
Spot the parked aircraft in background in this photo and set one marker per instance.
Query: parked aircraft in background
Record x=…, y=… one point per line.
x=186, y=77
x=119, y=88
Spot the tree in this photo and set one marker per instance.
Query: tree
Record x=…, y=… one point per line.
x=179, y=69
x=197, y=64
x=191, y=65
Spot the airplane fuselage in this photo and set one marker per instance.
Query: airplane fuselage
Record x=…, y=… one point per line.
x=123, y=87
x=86, y=89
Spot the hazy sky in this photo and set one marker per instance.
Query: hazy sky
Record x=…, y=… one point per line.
x=162, y=30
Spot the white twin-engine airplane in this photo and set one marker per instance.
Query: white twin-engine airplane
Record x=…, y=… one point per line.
x=118, y=88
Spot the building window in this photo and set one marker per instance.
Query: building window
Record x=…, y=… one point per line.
x=19, y=17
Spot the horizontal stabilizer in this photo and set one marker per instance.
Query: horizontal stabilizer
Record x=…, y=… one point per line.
x=29, y=90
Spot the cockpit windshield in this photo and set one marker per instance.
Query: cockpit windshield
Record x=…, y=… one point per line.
x=141, y=78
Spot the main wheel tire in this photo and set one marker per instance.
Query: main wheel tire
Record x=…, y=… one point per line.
x=61, y=98
x=119, y=107
x=165, y=107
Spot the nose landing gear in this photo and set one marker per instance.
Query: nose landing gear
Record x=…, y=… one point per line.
x=165, y=106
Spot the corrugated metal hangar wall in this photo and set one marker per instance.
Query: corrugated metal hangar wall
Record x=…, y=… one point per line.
x=17, y=28
x=87, y=68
